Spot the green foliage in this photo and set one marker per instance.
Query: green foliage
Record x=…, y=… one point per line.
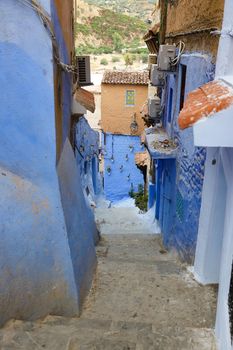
x=141, y=199
x=139, y=50
x=104, y=62
x=134, y=58
x=128, y=59
x=144, y=58
x=117, y=42
x=89, y=50
x=115, y=59
x=82, y=28
x=115, y=31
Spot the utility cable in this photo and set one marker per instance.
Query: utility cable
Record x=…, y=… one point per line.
x=46, y=21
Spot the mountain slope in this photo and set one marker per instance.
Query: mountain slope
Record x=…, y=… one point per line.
x=139, y=8
x=100, y=30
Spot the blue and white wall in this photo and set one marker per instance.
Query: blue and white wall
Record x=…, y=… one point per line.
x=87, y=155
x=120, y=171
x=47, y=255
x=180, y=180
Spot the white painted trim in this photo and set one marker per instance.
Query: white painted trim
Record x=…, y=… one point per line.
x=216, y=130
x=208, y=250
x=222, y=321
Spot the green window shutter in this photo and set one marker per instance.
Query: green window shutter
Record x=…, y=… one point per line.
x=130, y=97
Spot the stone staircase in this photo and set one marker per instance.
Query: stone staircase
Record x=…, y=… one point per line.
x=142, y=299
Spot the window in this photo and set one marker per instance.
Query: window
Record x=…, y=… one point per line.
x=170, y=105
x=182, y=87
x=130, y=97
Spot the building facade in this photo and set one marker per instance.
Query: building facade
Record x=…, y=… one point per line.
x=208, y=112
x=47, y=255
x=123, y=94
x=202, y=114
x=178, y=163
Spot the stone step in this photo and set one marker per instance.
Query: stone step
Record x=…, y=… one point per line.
x=57, y=333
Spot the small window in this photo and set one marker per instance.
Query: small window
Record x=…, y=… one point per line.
x=130, y=98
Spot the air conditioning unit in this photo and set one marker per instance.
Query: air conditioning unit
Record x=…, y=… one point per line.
x=154, y=108
x=167, y=54
x=157, y=77
x=84, y=70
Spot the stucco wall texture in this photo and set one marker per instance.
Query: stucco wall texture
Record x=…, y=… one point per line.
x=45, y=233
x=116, y=117
x=190, y=162
x=119, y=158
x=188, y=15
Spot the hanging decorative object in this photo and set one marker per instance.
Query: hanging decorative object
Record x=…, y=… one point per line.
x=128, y=177
x=134, y=124
x=121, y=168
x=109, y=170
x=131, y=148
x=126, y=157
x=112, y=159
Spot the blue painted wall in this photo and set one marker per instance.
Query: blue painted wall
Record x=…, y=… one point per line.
x=87, y=155
x=182, y=227
x=47, y=255
x=124, y=174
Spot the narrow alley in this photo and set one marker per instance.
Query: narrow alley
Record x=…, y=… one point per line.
x=143, y=298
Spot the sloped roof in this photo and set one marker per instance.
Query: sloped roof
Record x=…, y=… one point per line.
x=151, y=38
x=86, y=99
x=205, y=101
x=124, y=77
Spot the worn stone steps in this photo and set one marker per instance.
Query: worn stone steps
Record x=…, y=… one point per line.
x=94, y=334
x=143, y=298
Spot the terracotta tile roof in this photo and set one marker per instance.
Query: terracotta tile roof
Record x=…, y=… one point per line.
x=141, y=158
x=124, y=77
x=86, y=99
x=204, y=102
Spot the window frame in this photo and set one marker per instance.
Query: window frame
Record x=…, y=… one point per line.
x=126, y=98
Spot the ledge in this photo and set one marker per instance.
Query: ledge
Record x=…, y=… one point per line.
x=159, y=144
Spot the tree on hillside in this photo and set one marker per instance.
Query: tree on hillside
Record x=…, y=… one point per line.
x=117, y=42
x=128, y=60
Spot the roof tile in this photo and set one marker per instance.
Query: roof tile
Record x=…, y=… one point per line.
x=204, y=102
x=124, y=77
x=86, y=99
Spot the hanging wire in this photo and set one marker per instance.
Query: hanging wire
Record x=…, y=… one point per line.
x=181, y=49
x=46, y=20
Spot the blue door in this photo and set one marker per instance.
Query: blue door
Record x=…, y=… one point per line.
x=168, y=184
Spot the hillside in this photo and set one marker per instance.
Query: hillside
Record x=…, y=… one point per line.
x=139, y=8
x=99, y=30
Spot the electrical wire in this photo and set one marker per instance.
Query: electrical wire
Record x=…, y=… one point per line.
x=181, y=49
x=46, y=21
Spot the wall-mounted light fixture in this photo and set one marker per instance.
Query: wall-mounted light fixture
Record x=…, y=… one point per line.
x=134, y=124
x=112, y=159
x=126, y=157
x=131, y=148
x=121, y=168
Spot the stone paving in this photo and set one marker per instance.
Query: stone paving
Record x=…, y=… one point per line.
x=143, y=298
